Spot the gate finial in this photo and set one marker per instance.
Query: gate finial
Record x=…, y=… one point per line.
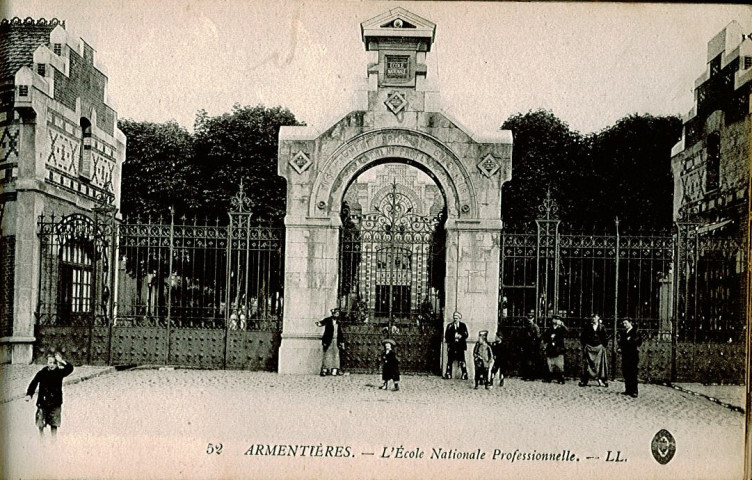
x=549, y=207
x=241, y=203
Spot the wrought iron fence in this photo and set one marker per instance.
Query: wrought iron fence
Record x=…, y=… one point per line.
x=162, y=291
x=684, y=288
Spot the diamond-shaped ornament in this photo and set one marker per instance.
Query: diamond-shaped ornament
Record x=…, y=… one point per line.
x=300, y=162
x=396, y=102
x=489, y=165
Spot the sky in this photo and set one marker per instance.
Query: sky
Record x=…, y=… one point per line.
x=590, y=64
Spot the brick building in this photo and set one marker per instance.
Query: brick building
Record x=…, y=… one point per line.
x=711, y=162
x=60, y=153
x=711, y=169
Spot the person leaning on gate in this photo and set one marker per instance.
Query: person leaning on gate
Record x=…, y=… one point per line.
x=456, y=339
x=594, y=339
x=553, y=339
x=333, y=342
x=629, y=344
x=50, y=397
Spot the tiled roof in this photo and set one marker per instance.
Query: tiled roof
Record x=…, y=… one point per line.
x=18, y=40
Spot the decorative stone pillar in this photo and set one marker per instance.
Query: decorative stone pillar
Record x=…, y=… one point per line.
x=311, y=279
x=472, y=279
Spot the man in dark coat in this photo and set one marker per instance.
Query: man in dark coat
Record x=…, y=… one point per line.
x=529, y=350
x=456, y=339
x=594, y=339
x=629, y=343
x=332, y=335
x=553, y=338
x=389, y=365
x=50, y=397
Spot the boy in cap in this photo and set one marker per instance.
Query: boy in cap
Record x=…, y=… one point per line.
x=483, y=356
x=389, y=365
x=497, y=347
x=50, y=398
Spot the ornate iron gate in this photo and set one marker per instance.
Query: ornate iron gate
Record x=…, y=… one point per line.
x=190, y=294
x=683, y=289
x=391, y=285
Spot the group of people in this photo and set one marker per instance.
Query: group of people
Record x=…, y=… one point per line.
x=489, y=356
x=333, y=343
x=594, y=340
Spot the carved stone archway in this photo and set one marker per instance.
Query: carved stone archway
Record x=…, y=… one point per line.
x=399, y=119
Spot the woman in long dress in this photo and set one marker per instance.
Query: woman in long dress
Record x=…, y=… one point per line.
x=332, y=342
x=594, y=340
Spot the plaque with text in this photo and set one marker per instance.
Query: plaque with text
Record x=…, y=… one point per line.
x=397, y=67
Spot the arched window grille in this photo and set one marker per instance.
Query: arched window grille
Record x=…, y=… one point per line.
x=76, y=278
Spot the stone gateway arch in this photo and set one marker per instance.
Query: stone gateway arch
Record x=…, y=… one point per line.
x=398, y=120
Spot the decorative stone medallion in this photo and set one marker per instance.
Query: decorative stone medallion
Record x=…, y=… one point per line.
x=396, y=102
x=489, y=166
x=300, y=162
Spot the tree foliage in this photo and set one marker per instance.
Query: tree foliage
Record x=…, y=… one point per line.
x=623, y=170
x=158, y=168
x=242, y=145
x=197, y=174
x=544, y=153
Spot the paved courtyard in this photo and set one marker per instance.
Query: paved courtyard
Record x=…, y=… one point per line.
x=160, y=424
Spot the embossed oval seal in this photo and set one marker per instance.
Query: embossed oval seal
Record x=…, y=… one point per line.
x=663, y=447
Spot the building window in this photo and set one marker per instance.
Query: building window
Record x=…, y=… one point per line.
x=715, y=66
x=41, y=69
x=713, y=171
x=76, y=279
x=23, y=90
x=57, y=48
x=85, y=164
x=746, y=63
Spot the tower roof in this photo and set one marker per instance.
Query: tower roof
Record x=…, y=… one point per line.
x=396, y=23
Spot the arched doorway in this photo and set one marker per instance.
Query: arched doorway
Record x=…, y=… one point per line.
x=392, y=263
x=398, y=120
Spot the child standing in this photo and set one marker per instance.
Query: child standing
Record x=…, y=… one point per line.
x=50, y=397
x=497, y=347
x=389, y=365
x=483, y=356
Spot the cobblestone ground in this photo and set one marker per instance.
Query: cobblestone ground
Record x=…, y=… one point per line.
x=158, y=424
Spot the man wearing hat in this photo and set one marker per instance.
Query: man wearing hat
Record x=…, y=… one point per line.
x=529, y=348
x=389, y=365
x=332, y=342
x=629, y=344
x=50, y=397
x=553, y=339
x=483, y=357
x=456, y=339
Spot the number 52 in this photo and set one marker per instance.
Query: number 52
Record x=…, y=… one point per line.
x=214, y=448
